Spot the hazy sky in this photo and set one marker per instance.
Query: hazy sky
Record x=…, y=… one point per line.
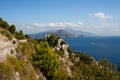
x=100, y=17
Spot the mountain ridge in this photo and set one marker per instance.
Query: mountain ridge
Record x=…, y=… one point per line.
x=62, y=33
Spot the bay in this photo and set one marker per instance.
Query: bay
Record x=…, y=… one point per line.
x=98, y=47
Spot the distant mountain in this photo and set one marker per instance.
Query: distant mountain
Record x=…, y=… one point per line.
x=65, y=33
x=81, y=33
x=62, y=33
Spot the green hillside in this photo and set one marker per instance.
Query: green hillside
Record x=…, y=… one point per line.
x=49, y=58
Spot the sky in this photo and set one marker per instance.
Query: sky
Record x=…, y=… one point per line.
x=100, y=17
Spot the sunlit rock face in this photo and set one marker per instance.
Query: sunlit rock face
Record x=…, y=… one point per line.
x=7, y=47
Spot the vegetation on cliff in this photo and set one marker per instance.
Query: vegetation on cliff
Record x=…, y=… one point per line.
x=50, y=58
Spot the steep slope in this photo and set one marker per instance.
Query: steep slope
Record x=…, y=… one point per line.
x=79, y=66
x=7, y=47
x=14, y=62
x=49, y=58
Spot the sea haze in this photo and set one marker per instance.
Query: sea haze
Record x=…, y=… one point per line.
x=98, y=47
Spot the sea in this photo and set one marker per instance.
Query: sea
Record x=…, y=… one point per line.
x=98, y=47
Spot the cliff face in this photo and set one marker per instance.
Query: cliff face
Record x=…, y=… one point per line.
x=13, y=67
x=7, y=47
x=65, y=59
x=18, y=57
x=51, y=58
x=80, y=66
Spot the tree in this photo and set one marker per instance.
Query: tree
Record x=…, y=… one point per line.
x=45, y=60
x=19, y=35
x=52, y=40
x=5, y=25
x=12, y=29
x=107, y=64
x=1, y=21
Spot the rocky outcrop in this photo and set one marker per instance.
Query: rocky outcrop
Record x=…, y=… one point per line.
x=17, y=76
x=62, y=45
x=7, y=47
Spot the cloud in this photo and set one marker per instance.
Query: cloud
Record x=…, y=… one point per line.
x=102, y=16
x=59, y=24
x=40, y=27
x=104, y=26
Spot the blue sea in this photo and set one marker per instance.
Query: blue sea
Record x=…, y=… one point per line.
x=98, y=47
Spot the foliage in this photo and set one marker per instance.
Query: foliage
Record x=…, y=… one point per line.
x=52, y=40
x=27, y=49
x=12, y=65
x=45, y=60
x=33, y=41
x=7, y=71
x=62, y=75
x=84, y=58
x=19, y=35
x=87, y=69
x=105, y=63
x=6, y=33
x=12, y=29
x=1, y=21
x=59, y=52
x=4, y=24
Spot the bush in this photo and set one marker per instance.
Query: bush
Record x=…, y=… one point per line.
x=7, y=71
x=12, y=29
x=27, y=49
x=45, y=60
x=6, y=33
x=60, y=53
x=84, y=58
x=12, y=64
x=19, y=35
x=52, y=40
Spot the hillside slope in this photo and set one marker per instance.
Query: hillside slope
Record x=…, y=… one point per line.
x=49, y=58
x=7, y=47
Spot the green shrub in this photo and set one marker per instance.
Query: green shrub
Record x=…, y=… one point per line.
x=4, y=24
x=60, y=53
x=12, y=64
x=45, y=60
x=6, y=33
x=52, y=40
x=27, y=49
x=7, y=71
x=19, y=35
x=12, y=29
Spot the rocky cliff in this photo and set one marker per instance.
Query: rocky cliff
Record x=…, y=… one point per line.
x=7, y=47
x=50, y=58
